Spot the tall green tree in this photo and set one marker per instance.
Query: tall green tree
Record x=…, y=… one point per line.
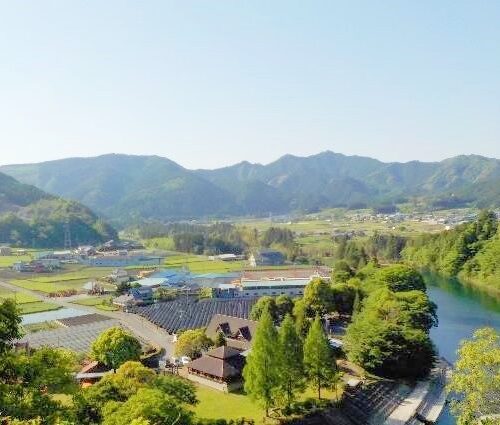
x=115, y=346
x=262, y=304
x=319, y=360
x=10, y=321
x=262, y=369
x=292, y=371
x=318, y=297
x=476, y=378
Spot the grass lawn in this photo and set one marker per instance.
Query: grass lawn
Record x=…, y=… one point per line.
x=106, y=307
x=214, y=404
x=38, y=307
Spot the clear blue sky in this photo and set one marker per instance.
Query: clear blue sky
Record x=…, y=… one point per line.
x=210, y=83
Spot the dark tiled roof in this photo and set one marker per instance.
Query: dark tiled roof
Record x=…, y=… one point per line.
x=82, y=320
x=238, y=331
x=191, y=314
x=223, y=352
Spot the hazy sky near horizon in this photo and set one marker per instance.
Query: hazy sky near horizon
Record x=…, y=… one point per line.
x=211, y=83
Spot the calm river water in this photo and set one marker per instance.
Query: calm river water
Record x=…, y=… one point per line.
x=461, y=310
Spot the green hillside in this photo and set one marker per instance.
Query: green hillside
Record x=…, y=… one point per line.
x=31, y=217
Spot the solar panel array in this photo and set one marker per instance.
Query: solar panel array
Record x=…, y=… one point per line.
x=191, y=314
x=76, y=338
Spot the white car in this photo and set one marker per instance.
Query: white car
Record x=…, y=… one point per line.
x=185, y=360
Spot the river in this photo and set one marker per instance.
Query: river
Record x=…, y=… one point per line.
x=461, y=310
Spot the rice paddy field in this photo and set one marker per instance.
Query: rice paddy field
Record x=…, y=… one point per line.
x=202, y=264
x=72, y=277
x=27, y=303
x=101, y=303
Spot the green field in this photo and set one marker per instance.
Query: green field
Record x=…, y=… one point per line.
x=73, y=277
x=215, y=404
x=101, y=303
x=9, y=260
x=19, y=297
x=38, y=307
x=43, y=326
x=202, y=264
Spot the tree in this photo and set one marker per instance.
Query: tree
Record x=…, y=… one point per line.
x=119, y=387
x=284, y=305
x=398, y=278
x=318, y=297
x=318, y=357
x=192, y=343
x=291, y=357
x=342, y=272
x=262, y=369
x=220, y=339
x=262, y=304
x=148, y=404
x=28, y=383
x=476, y=377
x=301, y=314
x=390, y=335
x=115, y=346
x=9, y=324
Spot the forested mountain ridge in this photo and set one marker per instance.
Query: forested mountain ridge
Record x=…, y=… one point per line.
x=128, y=188
x=31, y=217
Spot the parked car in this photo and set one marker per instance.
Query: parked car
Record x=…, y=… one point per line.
x=185, y=360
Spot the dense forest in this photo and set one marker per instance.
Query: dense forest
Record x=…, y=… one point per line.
x=470, y=251
x=30, y=217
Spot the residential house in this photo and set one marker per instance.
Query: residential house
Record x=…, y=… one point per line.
x=237, y=331
x=135, y=297
x=220, y=369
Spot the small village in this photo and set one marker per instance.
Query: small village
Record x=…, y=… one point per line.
x=158, y=305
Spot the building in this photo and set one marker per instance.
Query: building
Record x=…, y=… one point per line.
x=122, y=261
x=322, y=272
x=135, y=297
x=5, y=251
x=119, y=276
x=237, y=331
x=266, y=257
x=259, y=288
x=227, y=257
x=220, y=369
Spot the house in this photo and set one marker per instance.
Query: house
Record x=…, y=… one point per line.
x=135, y=297
x=220, y=369
x=266, y=257
x=237, y=331
x=5, y=251
x=86, y=250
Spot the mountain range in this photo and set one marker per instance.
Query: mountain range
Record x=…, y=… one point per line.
x=126, y=188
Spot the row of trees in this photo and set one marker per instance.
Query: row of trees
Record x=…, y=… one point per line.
x=281, y=363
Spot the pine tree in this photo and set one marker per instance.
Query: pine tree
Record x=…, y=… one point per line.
x=318, y=357
x=292, y=372
x=262, y=369
x=220, y=340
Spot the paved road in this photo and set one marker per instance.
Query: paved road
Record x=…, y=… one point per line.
x=138, y=325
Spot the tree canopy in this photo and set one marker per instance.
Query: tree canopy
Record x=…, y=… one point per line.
x=476, y=377
x=116, y=346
